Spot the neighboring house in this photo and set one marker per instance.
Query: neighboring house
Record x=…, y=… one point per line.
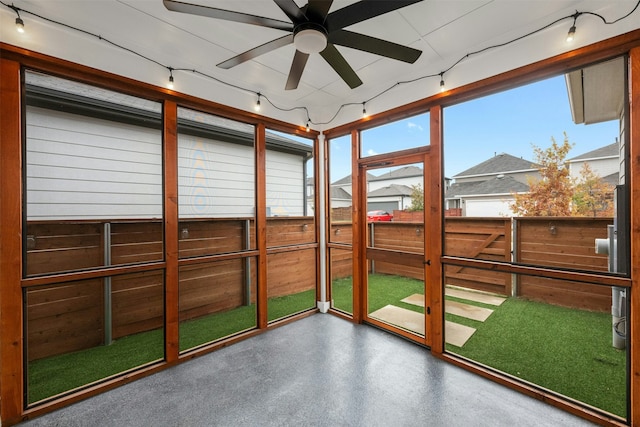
x=603, y=161
x=407, y=176
x=112, y=160
x=389, y=191
x=487, y=188
x=394, y=196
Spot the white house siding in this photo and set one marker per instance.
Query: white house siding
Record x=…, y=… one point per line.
x=408, y=181
x=601, y=167
x=285, y=184
x=86, y=168
x=487, y=207
x=216, y=179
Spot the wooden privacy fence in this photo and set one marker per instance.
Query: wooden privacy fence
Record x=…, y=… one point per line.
x=548, y=242
x=72, y=316
x=564, y=243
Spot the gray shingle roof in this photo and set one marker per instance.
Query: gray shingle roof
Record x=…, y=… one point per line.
x=339, y=193
x=504, y=185
x=606, y=151
x=407, y=171
x=392, y=190
x=347, y=179
x=500, y=163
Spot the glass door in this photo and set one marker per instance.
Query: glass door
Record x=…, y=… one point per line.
x=394, y=239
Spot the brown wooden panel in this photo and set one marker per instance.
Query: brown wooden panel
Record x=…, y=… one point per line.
x=291, y=272
x=137, y=303
x=561, y=242
x=215, y=236
x=134, y=242
x=566, y=294
x=341, y=263
x=290, y=231
x=58, y=246
x=211, y=288
x=64, y=318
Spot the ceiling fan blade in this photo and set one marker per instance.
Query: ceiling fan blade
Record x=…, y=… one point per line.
x=338, y=63
x=291, y=9
x=363, y=10
x=227, y=15
x=297, y=67
x=317, y=10
x=257, y=51
x=374, y=45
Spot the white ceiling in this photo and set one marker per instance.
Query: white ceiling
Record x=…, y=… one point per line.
x=445, y=30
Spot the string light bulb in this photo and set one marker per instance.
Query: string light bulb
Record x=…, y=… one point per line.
x=308, y=125
x=571, y=34
x=257, y=106
x=442, y=87
x=572, y=31
x=19, y=25
x=364, y=111
x=170, y=83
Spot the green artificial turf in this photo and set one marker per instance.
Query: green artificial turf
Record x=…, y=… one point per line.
x=383, y=290
x=58, y=374
x=565, y=350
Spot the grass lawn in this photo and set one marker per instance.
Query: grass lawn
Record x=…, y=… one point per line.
x=564, y=350
x=58, y=374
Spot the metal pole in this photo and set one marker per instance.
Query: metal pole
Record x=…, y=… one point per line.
x=108, y=336
x=247, y=263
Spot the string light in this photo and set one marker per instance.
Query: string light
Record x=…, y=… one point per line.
x=19, y=21
x=570, y=37
x=308, y=124
x=19, y=25
x=257, y=106
x=572, y=31
x=170, y=83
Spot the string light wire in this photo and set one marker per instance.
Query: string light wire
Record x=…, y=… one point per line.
x=441, y=74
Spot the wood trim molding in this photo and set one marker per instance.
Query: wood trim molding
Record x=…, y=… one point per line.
x=11, y=348
x=172, y=291
x=261, y=225
x=633, y=324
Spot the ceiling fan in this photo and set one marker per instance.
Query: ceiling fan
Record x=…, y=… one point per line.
x=314, y=30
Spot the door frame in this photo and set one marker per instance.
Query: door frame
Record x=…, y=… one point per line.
x=399, y=158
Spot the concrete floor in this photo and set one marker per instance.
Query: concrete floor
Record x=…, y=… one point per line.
x=318, y=371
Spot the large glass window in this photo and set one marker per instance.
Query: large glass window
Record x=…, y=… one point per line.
x=536, y=177
x=340, y=202
x=216, y=193
x=291, y=226
x=93, y=200
x=400, y=135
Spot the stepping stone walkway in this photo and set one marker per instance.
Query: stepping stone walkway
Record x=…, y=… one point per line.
x=455, y=333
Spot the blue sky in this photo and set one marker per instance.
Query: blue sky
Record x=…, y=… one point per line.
x=507, y=122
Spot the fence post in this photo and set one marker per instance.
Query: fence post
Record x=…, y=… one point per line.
x=371, y=242
x=247, y=263
x=108, y=333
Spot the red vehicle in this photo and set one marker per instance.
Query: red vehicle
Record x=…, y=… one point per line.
x=376, y=216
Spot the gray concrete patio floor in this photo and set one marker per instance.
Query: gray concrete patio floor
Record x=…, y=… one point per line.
x=318, y=371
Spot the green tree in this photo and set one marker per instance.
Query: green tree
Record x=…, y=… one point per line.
x=550, y=195
x=592, y=196
x=417, y=198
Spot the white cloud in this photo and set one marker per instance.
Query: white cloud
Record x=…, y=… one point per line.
x=371, y=152
x=415, y=126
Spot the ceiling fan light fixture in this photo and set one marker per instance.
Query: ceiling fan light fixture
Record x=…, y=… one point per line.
x=310, y=40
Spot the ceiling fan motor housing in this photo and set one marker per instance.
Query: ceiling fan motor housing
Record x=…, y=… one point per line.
x=310, y=38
